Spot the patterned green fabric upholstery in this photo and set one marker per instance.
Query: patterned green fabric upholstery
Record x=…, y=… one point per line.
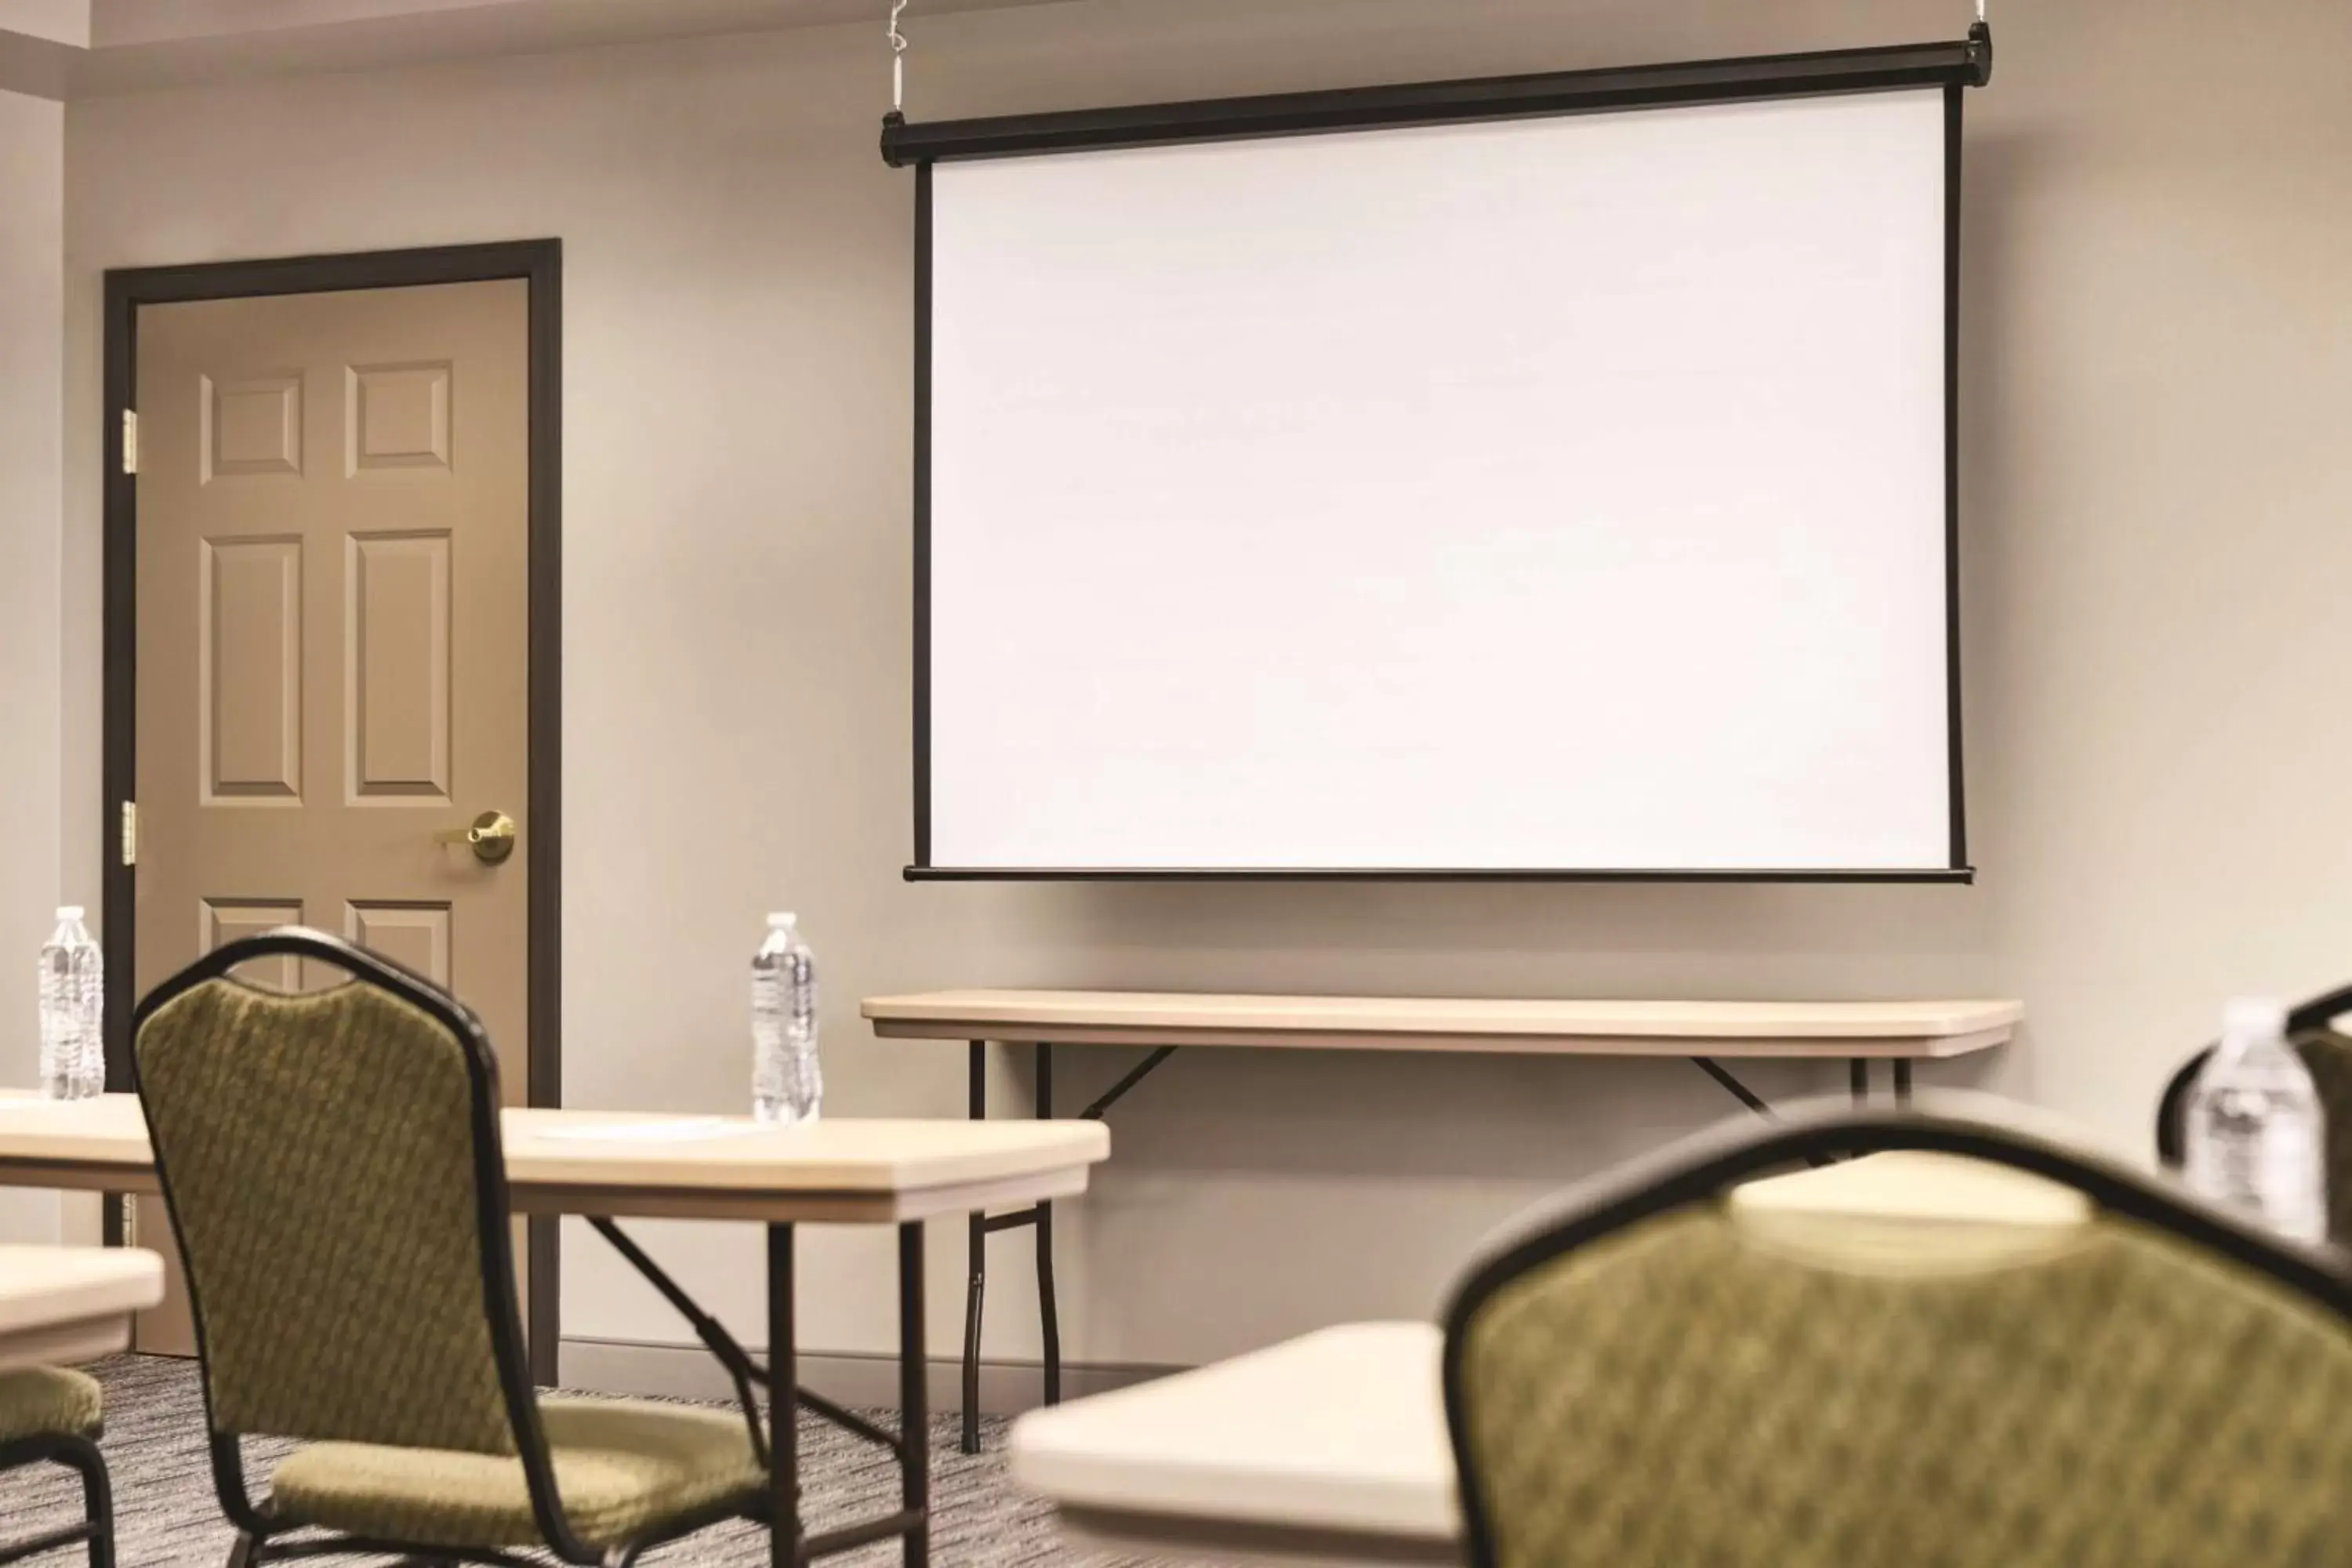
x=37, y=1401
x=1678, y=1394
x=319, y=1152
x=623, y=1469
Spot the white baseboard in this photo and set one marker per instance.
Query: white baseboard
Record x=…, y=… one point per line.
x=868, y=1381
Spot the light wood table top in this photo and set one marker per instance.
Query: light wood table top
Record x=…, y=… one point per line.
x=1839, y=1029
x=65, y=1304
x=1332, y=1449
x=638, y=1163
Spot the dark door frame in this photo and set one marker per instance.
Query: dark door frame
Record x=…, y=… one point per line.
x=540, y=262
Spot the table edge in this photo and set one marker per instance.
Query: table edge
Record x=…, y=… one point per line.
x=625, y=1200
x=652, y=1201
x=1597, y=1043
x=1230, y=1011
x=80, y=1338
x=1207, y=1538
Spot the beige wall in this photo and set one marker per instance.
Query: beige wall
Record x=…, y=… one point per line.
x=57, y=21
x=32, y=459
x=2158, y=376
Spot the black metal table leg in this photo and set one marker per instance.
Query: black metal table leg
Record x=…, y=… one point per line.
x=1903, y=1081
x=1128, y=1080
x=1739, y=1091
x=1858, y=1075
x=914, y=1419
x=975, y=1251
x=783, y=1406
x=1049, y=1313
x=791, y=1542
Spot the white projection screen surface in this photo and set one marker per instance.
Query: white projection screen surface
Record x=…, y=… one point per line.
x=1549, y=496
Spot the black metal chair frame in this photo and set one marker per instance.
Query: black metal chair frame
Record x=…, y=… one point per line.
x=258, y=1536
x=1702, y=1168
x=2172, y=1110
x=80, y=1454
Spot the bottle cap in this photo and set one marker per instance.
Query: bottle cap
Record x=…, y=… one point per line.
x=2260, y=1018
x=783, y=919
x=69, y=912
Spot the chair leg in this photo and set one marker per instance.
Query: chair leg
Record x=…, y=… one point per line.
x=241, y=1554
x=624, y=1556
x=98, y=1497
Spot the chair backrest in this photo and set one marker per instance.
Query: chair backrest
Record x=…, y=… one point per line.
x=2328, y=1056
x=1650, y=1380
x=331, y=1165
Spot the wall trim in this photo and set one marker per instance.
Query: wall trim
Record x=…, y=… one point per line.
x=863, y=1382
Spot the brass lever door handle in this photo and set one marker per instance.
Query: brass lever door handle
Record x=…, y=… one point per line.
x=491, y=837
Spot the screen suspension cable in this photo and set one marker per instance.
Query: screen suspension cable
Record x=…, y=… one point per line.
x=898, y=57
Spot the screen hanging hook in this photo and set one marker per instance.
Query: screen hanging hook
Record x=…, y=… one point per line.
x=899, y=58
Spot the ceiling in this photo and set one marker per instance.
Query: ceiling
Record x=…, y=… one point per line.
x=69, y=48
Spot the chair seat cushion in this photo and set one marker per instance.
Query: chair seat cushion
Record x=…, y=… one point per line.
x=624, y=1469
x=37, y=1401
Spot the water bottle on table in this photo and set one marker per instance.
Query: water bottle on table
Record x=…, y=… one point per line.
x=73, y=998
x=2257, y=1135
x=786, y=1084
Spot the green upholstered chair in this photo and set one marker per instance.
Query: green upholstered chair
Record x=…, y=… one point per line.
x=331, y=1165
x=54, y=1414
x=1655, y=1378
x=2328, y=1054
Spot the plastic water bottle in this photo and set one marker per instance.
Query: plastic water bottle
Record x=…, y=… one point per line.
x=786, y=1084
x=73, y=997
x=2257, y=1132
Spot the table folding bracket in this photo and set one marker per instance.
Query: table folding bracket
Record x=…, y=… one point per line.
x=1857, y=1076
x=778, y=1447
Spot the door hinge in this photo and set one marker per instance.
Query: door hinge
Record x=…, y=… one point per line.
x=131, y=833
x=129, y=441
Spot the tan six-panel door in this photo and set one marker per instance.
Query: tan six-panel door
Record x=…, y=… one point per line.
x=332, y=635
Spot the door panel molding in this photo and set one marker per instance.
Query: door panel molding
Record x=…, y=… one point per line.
x=256, y=437
x=396, y=746
x=249, y=671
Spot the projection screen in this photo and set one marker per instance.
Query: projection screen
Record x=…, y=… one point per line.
x=1559, y=496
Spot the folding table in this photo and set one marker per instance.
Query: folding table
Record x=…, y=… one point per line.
x=610, y=1165
x=1331, y=1448
x=1706, y=1033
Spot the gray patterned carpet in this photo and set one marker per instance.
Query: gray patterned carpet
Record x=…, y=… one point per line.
x=165, y=1516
